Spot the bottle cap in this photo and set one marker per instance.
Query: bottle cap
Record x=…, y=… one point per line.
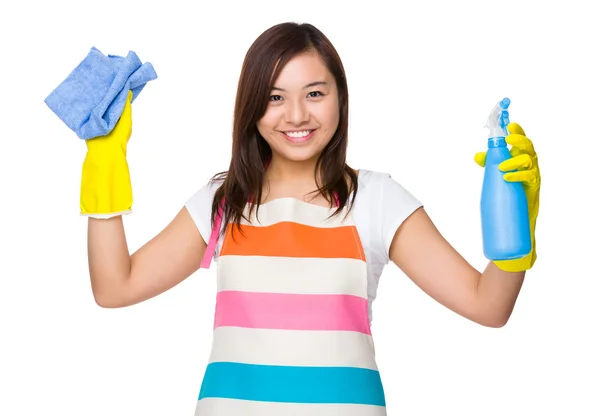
x=498, y=119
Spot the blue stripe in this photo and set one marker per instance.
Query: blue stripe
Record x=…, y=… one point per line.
x=292, y=384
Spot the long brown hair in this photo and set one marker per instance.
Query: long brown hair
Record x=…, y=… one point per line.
x=243, y=181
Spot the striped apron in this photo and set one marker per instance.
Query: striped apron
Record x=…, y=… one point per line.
x=291, y=328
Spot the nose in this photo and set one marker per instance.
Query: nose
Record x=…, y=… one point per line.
x=296, y=113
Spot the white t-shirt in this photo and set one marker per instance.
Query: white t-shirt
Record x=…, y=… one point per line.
x=380, y=207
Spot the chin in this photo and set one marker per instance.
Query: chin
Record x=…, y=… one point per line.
x=298, y=155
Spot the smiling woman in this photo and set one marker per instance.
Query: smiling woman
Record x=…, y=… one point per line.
x=300, y=239
x=292, y=115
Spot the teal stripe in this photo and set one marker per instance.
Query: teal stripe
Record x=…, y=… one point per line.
x=292, y=384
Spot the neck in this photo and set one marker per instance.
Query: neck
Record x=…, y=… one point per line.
x=290, y=171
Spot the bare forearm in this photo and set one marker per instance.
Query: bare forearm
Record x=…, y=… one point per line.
x=108, y=257
x=497, y=292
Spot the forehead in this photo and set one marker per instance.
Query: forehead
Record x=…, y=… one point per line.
x=303, y=69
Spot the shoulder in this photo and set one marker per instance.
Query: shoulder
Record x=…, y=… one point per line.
x=199, y=206
x=384, y=204
x=205, y=192
x=381, y=184
x=372, y=178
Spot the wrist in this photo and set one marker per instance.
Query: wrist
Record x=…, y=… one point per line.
x=105, y=187
x=106, y=151
x=518, y=265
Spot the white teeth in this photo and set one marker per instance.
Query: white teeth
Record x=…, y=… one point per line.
x=298, y=133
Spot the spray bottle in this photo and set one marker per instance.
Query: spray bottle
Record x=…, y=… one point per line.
x=504, y=212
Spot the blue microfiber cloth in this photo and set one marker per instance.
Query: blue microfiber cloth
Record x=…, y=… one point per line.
x=91, y=99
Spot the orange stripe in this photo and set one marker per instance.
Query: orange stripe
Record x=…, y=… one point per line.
x=290, y=239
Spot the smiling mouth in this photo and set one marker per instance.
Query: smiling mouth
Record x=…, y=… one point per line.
x=298, y=136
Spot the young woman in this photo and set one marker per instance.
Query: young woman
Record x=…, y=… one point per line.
x=300, y=238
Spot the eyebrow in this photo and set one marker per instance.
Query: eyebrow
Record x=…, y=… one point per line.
x=312, y=84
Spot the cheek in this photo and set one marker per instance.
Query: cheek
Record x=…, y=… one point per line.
x=266, y=124
x=331, y=117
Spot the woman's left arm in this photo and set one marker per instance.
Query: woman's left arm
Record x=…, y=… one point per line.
x=439, y=270
x=426, y=257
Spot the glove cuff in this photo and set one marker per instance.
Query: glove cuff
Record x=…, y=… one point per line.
x=105, y=216
x=518, y=265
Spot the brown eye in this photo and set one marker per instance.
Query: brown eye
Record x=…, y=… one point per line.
x=275, y=98
x=315, y=94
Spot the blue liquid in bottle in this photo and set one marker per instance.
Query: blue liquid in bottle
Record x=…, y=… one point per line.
x=504, y=212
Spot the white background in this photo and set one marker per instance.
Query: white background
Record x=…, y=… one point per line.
x=423, y=77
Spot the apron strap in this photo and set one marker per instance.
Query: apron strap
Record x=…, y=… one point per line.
x=214, y=237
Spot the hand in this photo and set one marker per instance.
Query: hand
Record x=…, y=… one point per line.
x=522, y=167
x=105, y=181
x=118, y=137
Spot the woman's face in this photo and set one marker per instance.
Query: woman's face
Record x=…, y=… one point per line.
x=303, y=110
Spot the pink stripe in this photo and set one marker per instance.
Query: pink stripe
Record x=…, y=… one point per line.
x=291, y=311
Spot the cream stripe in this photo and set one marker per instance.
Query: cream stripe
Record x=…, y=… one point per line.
x=291, y=209
x=293, y=348
x=293, y=275
x=230, y=407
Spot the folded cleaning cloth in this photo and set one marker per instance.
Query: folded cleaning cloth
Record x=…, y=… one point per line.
x=91, y=99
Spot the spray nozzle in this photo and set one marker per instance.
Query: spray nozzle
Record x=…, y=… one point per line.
x=498, y=119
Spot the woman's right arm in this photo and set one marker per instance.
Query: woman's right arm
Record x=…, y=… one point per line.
x=120, y=279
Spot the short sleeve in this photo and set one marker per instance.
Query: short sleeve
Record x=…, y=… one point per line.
x=199, y=205
x=396, y=204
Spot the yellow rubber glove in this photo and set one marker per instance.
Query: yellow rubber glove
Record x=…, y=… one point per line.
x=105, y=182
x=524, y=160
